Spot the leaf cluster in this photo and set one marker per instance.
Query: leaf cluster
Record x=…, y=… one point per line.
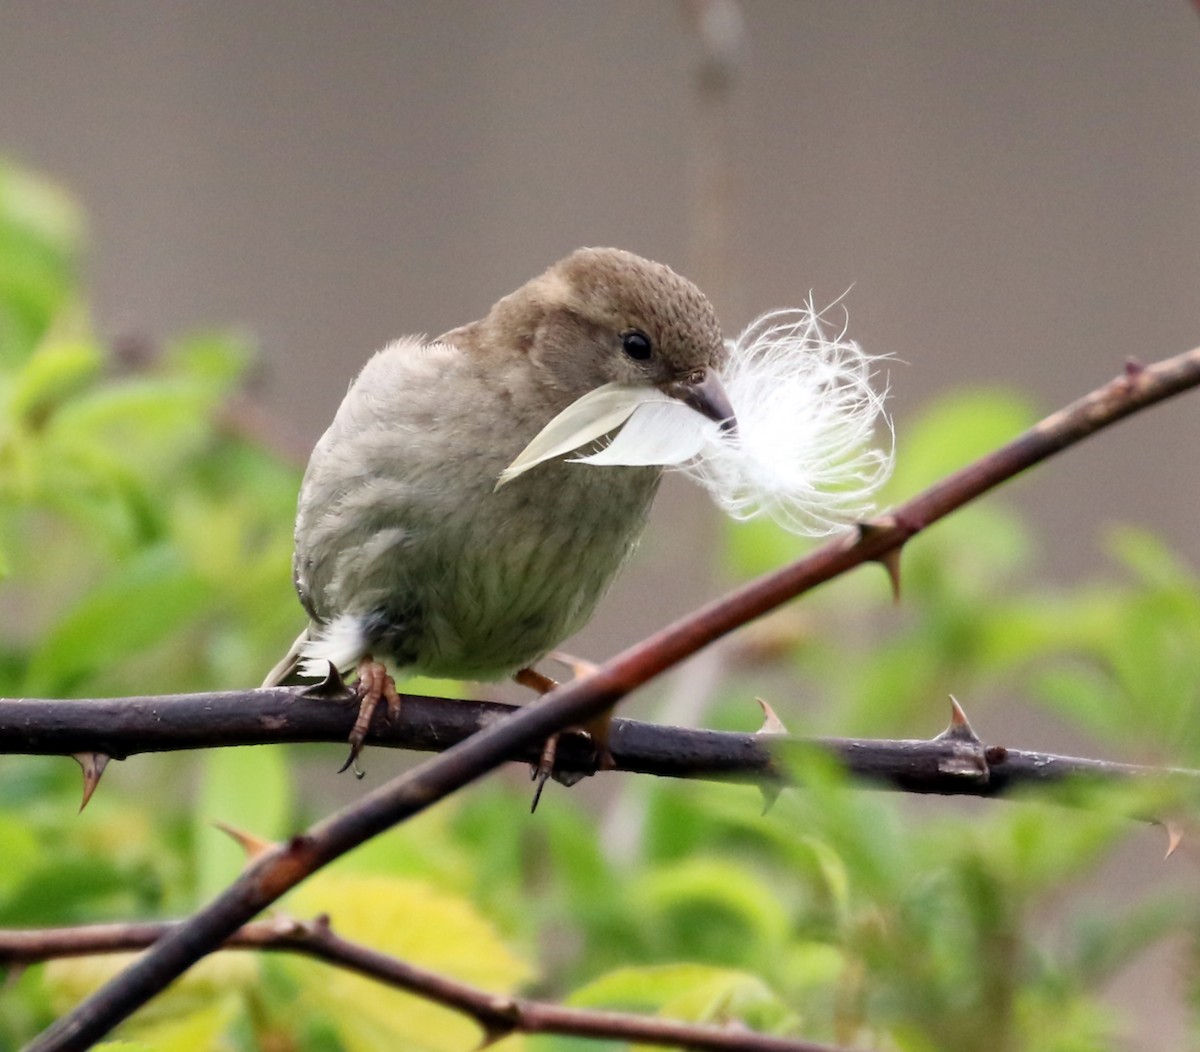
x=145, y=546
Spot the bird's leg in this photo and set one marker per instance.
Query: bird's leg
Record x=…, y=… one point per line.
x=597, y=729
x=541, y=771
x=374, y=685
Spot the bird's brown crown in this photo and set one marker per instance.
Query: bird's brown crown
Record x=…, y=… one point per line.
x=622, y=290
x=574, y=322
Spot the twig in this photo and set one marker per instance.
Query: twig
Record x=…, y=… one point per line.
x=950, y=764
x=496, y=1014
x=578, y=702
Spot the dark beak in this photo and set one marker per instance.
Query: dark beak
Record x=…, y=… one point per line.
x=704, y=392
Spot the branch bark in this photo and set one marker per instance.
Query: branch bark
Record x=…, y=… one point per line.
x=496, y=1014
x=955, y=762
x=582, y=700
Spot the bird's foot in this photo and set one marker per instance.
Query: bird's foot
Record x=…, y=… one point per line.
x=544, y=768
x=597, y=730
x=374, y=685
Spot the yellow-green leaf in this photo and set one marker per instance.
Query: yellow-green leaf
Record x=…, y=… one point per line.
x=417, y=923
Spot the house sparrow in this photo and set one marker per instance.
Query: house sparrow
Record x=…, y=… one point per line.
x=435, y=534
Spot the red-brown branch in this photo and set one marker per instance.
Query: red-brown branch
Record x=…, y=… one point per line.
x=582, y=700
x=496, y=1014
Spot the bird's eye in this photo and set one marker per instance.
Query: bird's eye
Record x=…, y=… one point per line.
x=636, y=344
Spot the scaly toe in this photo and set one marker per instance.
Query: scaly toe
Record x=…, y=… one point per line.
x=374, y=685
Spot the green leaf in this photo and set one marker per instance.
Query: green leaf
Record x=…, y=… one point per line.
x=193, y=1013
x=54, y=373
x=958, y=428
x=715, y=908
x=40, y=236
x=419, y=924
x=147, y=600
x=690, y=993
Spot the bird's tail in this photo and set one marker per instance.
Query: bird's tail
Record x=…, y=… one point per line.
x=289, y=664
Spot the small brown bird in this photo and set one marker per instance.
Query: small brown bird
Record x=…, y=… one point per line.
x=408, y=549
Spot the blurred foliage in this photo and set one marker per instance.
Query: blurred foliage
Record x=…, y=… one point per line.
x=145, y=545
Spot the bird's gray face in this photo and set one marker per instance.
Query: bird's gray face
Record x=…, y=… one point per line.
x=613, y=317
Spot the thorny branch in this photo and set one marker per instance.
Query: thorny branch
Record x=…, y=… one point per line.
x=955, y=762
x=497, y=1015
x=577, y=702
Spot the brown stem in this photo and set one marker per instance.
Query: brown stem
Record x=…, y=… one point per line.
x=583, y=700
x=496, y=1014
x=122, y=727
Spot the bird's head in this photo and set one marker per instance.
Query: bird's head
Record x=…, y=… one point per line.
x=606, y=316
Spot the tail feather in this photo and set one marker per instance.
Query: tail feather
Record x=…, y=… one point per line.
x=289, y=664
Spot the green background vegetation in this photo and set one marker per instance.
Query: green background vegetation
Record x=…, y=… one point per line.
x=145, y=547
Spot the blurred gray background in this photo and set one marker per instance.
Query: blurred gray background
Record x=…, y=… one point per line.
x=1012, y=189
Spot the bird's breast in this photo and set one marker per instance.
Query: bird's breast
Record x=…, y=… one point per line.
x=527, y=567
x=400, y=525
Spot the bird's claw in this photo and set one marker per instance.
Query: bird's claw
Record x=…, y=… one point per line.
x=541, y=771
x=374, y=685
x=352, y=761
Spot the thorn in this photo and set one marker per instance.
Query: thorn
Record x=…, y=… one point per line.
x=92, y=765
x=1133, y=368
x=13, y=973
x=959, y=728
x=890, y=561
x=1174, y=837
x=772, y=724
x=770, y=793
x=248, y=842
x=967, y=758
x=502, y=1016
x=332, y=686
x=493, y=1032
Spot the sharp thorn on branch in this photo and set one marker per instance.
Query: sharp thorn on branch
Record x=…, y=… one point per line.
x=770, y=793
x=968, y=758
x=1174, y=837
x=92, y=764
x=494, y=1032
x=959, y=728
x=252, y=845
x=890, y=561
x=332, y=686
x=772, y=724
x=499, y=1023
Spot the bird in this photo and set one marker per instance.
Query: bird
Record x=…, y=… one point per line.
x=415, y=552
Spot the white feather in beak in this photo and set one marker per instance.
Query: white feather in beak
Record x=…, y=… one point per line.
x=806, y=418
x=594, y=415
